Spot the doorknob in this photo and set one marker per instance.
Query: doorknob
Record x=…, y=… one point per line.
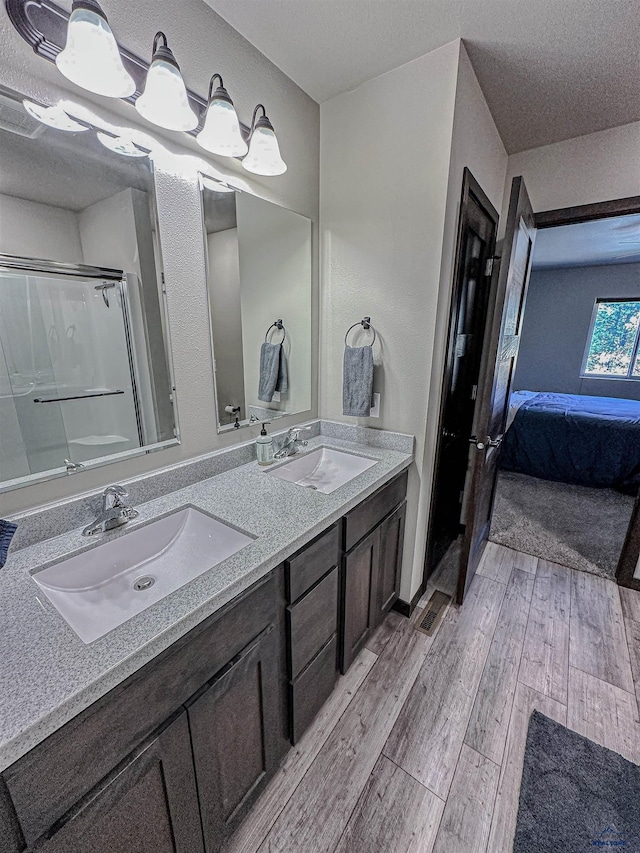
x=478, y=444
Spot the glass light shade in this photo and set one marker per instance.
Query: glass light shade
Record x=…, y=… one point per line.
x=53, y=117
x=164, y=101
x=91, y=58
x=120, y=145
x=264, y=153
x=221, y=132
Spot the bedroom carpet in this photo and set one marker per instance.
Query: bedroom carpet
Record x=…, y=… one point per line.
x=575, y=795
x=575, y=526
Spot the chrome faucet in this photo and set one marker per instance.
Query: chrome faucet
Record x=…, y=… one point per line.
x=291, y=443
x=115, y=512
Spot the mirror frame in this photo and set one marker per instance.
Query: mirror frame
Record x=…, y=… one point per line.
x=203, y=178
x=87, y=271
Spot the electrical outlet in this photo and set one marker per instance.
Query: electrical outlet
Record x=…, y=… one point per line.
x=375, y=409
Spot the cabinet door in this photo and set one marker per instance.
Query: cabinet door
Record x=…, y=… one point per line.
x=235, y=729
x=391, y=542
x=148, y=803
x=361, y=566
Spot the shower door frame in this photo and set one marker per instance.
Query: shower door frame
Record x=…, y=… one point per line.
x=119, y=279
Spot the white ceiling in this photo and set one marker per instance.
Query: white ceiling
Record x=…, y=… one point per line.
x=603, y=241
x=550, y=69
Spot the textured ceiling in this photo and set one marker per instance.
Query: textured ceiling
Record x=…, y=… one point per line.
x=603, y=241
x=550, y=69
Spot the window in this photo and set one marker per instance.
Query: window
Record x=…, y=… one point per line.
x=612, y=350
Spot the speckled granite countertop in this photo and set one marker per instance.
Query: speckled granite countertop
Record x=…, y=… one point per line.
x=48, y=675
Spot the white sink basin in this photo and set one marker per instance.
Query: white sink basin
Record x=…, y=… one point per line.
x=324, y=469
x=99, y=589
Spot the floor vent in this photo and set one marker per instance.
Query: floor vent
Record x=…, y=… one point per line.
x=433, y=613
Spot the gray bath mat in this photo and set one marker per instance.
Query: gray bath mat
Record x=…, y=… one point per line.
x=576, y=796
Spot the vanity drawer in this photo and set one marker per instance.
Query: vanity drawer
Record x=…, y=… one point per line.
x=312, y=562
x=50, y=779
x=312, y=688
x=371, y=511
x=311, y=622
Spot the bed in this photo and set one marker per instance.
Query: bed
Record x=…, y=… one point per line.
x=588, y=441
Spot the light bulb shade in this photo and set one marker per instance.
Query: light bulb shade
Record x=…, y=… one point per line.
x=264, y=152
x=54, y=117
x=164, y=101
x=221, y=132
x=91, y=58
x=120, y=145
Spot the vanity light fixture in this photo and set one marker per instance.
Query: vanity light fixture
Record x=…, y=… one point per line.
x=264, y=152
x=221, y=132
x=91, y=58
x=120, y=145
x=53, y=117
x=164, y=101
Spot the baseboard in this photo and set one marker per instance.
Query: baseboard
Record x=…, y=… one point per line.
x=406, y=608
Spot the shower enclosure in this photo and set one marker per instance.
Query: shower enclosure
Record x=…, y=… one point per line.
x=74, y=371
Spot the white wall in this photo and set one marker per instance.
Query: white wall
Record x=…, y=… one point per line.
x=384, y=167
x=32, y=230
x=202, y=43
x=392, y=157
x=226, y=320
x=597, y=167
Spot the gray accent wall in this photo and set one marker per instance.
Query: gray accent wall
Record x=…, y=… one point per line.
x=556, y=325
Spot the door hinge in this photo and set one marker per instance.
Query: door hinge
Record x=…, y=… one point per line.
x=474, y=392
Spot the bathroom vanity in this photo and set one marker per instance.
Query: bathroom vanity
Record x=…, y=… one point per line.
x=173, y=757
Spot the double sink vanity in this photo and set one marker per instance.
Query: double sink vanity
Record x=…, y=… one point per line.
x=153, y=679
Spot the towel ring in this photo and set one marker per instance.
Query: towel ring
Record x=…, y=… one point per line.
x=366, y=324
x=277, y=325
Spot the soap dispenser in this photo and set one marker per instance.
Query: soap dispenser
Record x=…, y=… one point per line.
x=264, y=447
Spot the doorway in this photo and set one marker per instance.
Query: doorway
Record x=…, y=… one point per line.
x=477, y=227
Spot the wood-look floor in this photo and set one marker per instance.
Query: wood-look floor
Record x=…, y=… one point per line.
x=420, y=747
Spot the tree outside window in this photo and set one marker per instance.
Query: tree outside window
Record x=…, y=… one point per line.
x=615, y=336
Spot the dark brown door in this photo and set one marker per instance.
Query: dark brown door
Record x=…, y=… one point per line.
x=235, y=731
x=148, y=803
x=391, y=542
x=496, y=374
x=477, y=226
x=360, y=575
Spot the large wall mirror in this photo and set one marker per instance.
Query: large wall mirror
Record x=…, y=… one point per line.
x=259, y=283
x=85, y=369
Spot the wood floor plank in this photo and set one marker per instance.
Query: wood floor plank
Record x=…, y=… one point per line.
x=467, y=815
x=427, y=738
x=505, y=812
x=604, y=713
x=545, y=655
x=408, y=823
x=489, y=723
x=633, y=641
x=316, y=815
x=381, y=637
x=497, y=562
x=630, y=599
x=525, y=562
x=597, y=643
x=274, y=798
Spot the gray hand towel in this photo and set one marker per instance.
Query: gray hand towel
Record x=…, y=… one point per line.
x=7, y=529
x=273, y=371
x=357, y=383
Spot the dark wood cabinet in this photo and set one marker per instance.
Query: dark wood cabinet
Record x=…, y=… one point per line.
x=371, y=568
x=361, y=567
x=172, y=758
x=391, y=544
x=234, y=732
x=149, y=802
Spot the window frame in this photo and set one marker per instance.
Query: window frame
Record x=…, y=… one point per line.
x=636, y=346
